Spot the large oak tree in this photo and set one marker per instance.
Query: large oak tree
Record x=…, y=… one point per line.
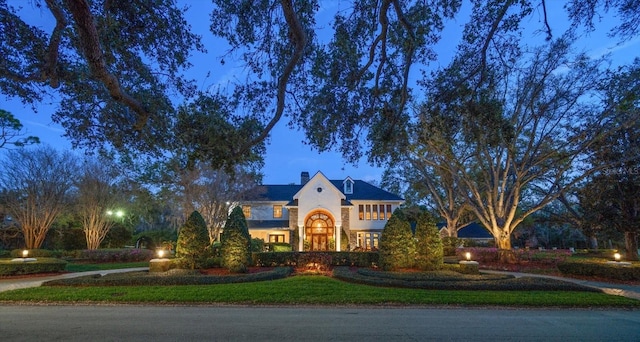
x=117, y=68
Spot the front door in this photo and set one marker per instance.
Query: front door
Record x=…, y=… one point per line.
x=319, y=242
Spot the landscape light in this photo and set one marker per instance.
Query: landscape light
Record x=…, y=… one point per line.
x=160, y=253
x=468, y=256
x=25, y=253
x=616, y=256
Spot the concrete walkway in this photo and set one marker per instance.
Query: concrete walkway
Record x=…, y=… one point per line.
x=629, y=291
x=23, y=283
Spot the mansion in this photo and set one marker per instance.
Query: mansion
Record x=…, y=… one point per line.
x=320, y=214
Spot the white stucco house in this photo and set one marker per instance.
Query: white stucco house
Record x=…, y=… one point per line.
x=311, y=215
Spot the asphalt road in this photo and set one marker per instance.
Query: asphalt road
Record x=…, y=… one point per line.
x=235, y=323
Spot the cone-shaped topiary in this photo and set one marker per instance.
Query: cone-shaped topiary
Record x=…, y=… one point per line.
x=397, y=247
x=235, y=242
x=429, y=251
x=193, y=240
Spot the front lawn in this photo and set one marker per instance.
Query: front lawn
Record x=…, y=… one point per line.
x=311, y=290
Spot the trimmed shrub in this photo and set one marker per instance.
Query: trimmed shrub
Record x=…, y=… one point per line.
x=114, y=255
x=278, y=247
x=397, y=246
x=600, y=269
x=429, y=252
x=42, y=265
x=193, y=240
x=235, y=241
x=357, y=259
x=449, y=280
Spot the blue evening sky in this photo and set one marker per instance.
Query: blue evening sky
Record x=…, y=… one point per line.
x=287, y=154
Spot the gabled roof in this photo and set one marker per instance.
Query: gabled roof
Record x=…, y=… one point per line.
x=361, y=191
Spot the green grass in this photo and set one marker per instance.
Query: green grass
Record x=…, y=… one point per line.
x=313, y=290
x=77, y=267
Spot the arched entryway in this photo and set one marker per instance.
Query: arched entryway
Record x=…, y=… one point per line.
x=319, y=231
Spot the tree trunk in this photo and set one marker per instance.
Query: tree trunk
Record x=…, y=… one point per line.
x=505, y=253
x=631, y=246
x=593, y=242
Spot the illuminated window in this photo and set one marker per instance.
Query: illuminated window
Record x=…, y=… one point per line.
x=375, y=212
x=246, y=210
x=368, y=212
x=367, y=241
x=382, y=211
x=361, y=212
x=276, y=237
x=277, y=211
x=388, y=211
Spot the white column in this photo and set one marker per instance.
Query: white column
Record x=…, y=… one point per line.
x=301, y=238
x=338, y=233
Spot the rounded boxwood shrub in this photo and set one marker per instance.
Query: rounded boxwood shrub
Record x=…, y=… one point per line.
x=235, y=248
x=397, y=247
x=193, y=240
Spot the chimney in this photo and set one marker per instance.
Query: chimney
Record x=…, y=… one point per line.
x=304, y=177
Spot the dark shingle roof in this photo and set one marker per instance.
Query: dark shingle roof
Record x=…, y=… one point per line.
x=365, y=191
x=361, y=191
x=474, y=231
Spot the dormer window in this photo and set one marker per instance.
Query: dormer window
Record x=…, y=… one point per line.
x=348, y=186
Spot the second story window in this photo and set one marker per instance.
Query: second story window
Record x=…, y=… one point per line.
x=246, y=210
x=277, y=211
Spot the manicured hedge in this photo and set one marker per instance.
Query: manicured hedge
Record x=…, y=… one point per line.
x=41, y=265
x=359, y=259
x=490, y=254
x=169, y=278
x=448, y=282
x=114, y=255
x=600, y=269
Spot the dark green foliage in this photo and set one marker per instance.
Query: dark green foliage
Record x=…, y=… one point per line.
x=357, y=259
x=278, y=247
x=429, y=251
x=397, y=246
x=450, y=244
x=452, y=280
x=42, y=265
x=114, y=255
x=117, y=237
x=257, y=245
x=193, y=240
x=169, y=278
x=236, y=242
x=600, y=269
x=11, y=132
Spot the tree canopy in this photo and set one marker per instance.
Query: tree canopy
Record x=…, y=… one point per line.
x=118, y=68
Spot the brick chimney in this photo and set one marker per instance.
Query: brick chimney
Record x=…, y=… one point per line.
x=304, y=177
